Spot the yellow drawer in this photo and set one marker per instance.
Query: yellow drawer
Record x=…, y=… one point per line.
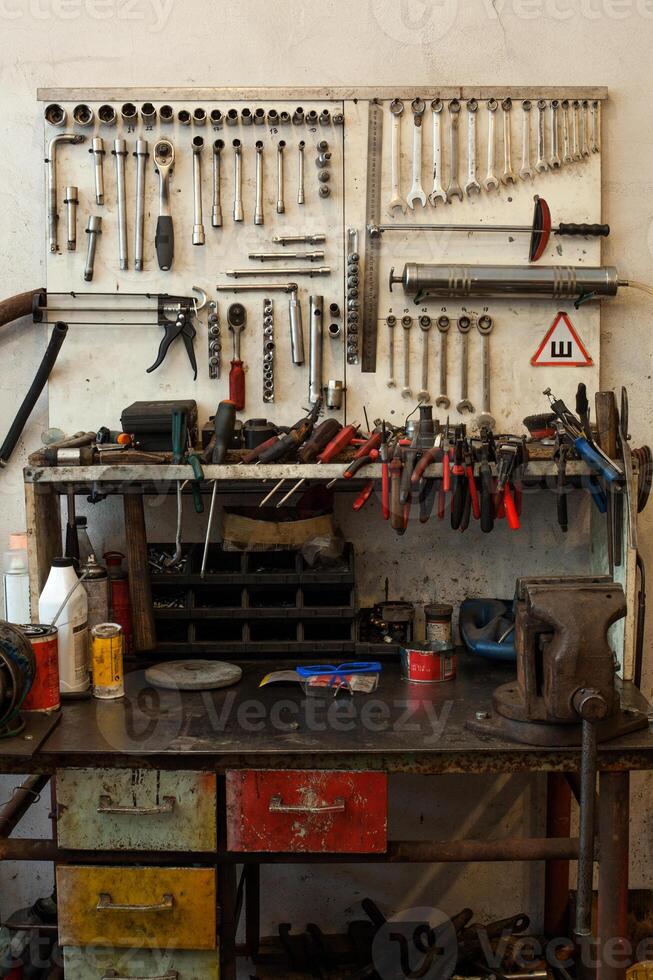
x=93, y=963
x=174, y=908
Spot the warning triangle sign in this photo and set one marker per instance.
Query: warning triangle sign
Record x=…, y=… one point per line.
x=561, y=347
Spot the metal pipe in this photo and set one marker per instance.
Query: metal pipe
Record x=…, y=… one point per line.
x=120, y=152
x=555, y=282
x=141, y=154
x=316, y=331
x=612, y=928
x=23, y=798
x=51, y=163
x=308, y=271
x=93, y=229
x=71, y=200
x=198, y=219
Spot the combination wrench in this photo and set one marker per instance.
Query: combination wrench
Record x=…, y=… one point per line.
x=566, y=145
x=120, y=152
x=258, y=209
x=584, y=136
x=554, y=159
x=238, y=181
x=484, y=327
x=508, y=175
x=526, y=171
x=416, y=192
x=281, y=203
x=575, y=131
x=491, y=181
x=216, y=209
x=198, y=217
x=406, y=322
x=164, y=240
x=594, y=141
x=438, y=193
x=472, y=186
x=464, y=326
x=425, y=327
x=391, y=323
x=442, y=401
x=396, y=200
x=541, y=164
x=97, y=149
x=453, y=188
x=141, y=153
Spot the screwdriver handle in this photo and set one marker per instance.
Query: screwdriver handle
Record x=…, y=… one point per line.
x=592, y=231
x=253, y=454
x=396, y=509
x=322, y=436
x=373, y=442
x=224, y=422
x=337, y=444
x=237, y=385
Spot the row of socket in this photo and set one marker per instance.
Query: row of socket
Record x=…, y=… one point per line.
x=353, y=291
x=83, y=115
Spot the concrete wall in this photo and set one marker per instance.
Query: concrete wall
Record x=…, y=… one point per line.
x=272, y=42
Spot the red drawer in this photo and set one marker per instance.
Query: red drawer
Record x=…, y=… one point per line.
x=313, y=811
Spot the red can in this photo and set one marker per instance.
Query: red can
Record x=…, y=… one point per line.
x=44, y=693
x=421, y=664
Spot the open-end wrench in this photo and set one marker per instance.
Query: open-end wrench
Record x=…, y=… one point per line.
x=416, y=192
x=453, y=188
x=508, y=175
x=391, y=322
x=554, y=159
x=442, y=401
x=584, y=136
x=164, y=239
x=575, y=130
x=594, y=140
x=425, y=327
x=120, y=152
x=541, y=164
x=281, y=202
x=438, y=193
x=199, y=237
x=238, y=181
x=566, y=145
x=464, y=326
x=472, y=185
x=258, y=209
x=141, y=154
x=396, y=200
x=216, y=210
x=484, y=327
x=526, y=171
x=406, y=322
x=491, y=181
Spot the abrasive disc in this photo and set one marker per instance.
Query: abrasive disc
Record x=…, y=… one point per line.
x=193, y=675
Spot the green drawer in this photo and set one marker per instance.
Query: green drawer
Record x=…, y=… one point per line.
x=93, y=963
x=136, y=809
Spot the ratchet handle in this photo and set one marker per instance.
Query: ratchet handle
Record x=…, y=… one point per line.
x=591, y=231
x=237, y=385
x=164, y=242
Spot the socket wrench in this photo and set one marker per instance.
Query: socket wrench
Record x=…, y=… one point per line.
x=164, y=240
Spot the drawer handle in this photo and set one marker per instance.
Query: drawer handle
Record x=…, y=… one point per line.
x=106, y=905
x=278, y=806
x=106, y=805
x=170, y=975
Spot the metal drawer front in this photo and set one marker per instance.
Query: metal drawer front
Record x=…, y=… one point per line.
x=312, y=811
x=94, y=963
x=160, y=908
x=140, y=809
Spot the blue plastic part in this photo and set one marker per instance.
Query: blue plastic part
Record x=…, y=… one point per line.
x=360, y=667
x=478, y=633
x=596, y=461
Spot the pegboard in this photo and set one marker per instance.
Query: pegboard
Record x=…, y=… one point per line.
x=103, y=367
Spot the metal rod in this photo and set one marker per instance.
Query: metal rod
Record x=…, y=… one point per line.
x=585, y=885
x=308, y=271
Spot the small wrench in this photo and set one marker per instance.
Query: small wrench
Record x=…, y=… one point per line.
x=425, y=327
x=554, y=160
x=406, y=322
x=438, y=193
x=238, y=181
x=566, y=151
x=281, y=205
x=442, y=401
x=396, y=200
x=484, y=327
x=454, y=189
x=491, y=182
x=472, y=186
x=508, y=176
x=259, y=217
x=391, y=322
x=416, y=192
x=541, y=164
x=526, y=171
x=464, y=326
x=584, y=137
x=594, y=141
x=575, y=131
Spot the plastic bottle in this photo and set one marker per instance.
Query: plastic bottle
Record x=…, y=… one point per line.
x=74, y=651
x=16, y=580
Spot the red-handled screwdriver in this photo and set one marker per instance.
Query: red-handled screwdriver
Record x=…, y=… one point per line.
x=340, y=442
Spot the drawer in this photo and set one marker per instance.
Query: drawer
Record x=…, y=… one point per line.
x=313, y=811
x=172, y=908
x=93, y=963
x=139, y=809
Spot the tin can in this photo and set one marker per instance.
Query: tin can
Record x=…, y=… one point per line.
x=44, y=693
x=107, y=654
x=421, y=664
x=438, y=617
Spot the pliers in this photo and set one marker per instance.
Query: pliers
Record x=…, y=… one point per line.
x=181, y=325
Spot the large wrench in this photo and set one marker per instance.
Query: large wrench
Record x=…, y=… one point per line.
x=566, y=147
x=584, y=137
x=416, y=192
x=453, y=188
x=541, y=164
x=396, y=200
x=508, y=175
x=526, y=171
x=406, y=322
x=425, y=327
x=472, y=186
x=438, y=193
x=464, y=326
x=491, y=182
x=484, y=327
x=594, y=141
x=575, y=131
x=442, y=401
x=391, y=322
x=554, y=159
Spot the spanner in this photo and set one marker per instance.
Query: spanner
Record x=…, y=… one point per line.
x=416, y=192
x=508, y=175
x=442, y=401
x=391, y=322
x=584, y=137
x=464, y=326
x=438, y=193
x=258, y=209
x=406, y=322
x=472, y=186
x=281, y=204
x=554, y=159
x=396, y=200
x=526, y=171
x=238, y=181
x=566, y=149
x=575, y=131
x=453, y=188
x=491, y=182
x=594, y=141
x=484, y=327
x=541, y=164
x=425, y=327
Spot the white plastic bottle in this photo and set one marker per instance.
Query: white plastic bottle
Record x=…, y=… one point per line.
x=72, y=624
x=16, y=580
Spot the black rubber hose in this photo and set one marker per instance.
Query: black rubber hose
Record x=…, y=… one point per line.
x=59, y=332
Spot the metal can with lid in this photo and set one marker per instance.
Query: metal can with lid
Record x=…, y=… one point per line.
x=107, y=661
x=438, y=617
x=44, y=695
x=421, y=664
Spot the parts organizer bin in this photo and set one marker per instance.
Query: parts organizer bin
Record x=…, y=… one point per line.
x=254, y=604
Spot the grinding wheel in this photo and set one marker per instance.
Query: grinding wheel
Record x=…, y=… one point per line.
x=193, y=675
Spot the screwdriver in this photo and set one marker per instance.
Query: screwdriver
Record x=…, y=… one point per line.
x=340, y=442
x=253, y=455
x=292, y=440
x=320, y=439
x=237, y=320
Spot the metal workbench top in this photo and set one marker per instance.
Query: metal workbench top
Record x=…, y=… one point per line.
x=400, y=728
